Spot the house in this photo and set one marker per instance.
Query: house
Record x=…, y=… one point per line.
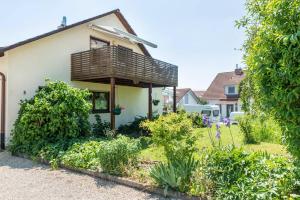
x=183, y=96
x=102, y=54
x=223, y=91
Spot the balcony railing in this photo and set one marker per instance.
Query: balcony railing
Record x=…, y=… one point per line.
x=122, y=63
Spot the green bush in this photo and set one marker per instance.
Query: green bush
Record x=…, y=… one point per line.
x=57, y=112
x=133, y=128
x=175, y=174
x=196, y=120
x=236, y=174
x=82, y=155
x=245, y=124
x=259, y=128
x=272, y=51
x=117, y=155
x=100, y=128
x=173, y=132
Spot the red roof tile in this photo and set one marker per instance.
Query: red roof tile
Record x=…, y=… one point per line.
x=216, y=88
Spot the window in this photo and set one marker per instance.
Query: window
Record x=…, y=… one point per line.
x=231, y=90
x=96, y=43
x=206, y=112
x=186, y=99
x=215, y=113
x=100, y=102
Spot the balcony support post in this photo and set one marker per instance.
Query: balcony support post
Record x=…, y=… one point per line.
x=112, y=103
x=150, y=101
x=174, y=99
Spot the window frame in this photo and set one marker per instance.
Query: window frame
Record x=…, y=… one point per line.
x=98, y=39
x=107, y=95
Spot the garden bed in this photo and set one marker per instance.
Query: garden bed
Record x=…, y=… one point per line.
x=121, y=180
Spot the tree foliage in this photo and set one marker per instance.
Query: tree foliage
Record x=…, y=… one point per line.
x=272, y=55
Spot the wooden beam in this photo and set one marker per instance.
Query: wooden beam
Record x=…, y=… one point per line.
x=174, y=99
x=112, y=103
x=150, y=101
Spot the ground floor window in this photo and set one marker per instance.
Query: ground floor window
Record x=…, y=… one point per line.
x=100, y=102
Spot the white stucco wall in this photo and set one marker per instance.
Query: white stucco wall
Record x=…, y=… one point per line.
x=29, y=65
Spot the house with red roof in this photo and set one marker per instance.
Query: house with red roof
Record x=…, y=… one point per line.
x=224, y=91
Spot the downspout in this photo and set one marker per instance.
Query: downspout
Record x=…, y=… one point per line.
x=2, y=123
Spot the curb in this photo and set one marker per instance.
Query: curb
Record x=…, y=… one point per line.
x=121, y=181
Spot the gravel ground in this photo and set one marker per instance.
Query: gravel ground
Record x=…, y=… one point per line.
x=23, y=179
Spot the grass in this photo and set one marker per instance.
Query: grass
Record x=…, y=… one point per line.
x=203, y=141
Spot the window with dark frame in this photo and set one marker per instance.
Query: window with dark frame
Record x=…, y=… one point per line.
x=96, y=43
x=100, y=102
x=231, y=90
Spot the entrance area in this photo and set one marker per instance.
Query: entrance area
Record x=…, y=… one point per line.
x=229, y=109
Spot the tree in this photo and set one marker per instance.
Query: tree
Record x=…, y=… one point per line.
x=272, y=54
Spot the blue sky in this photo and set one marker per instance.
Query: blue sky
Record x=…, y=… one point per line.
x=197, y=35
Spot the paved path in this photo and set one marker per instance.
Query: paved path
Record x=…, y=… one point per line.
x=23, y=179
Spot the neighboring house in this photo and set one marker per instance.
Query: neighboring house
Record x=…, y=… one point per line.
x=186, y=96
x=101, y=54
x=183, y=96
x=200, y=94
x=223, y=91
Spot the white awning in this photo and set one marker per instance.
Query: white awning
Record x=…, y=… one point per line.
x=121, y=34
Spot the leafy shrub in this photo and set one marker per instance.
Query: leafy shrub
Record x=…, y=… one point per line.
x=246, y=128
x=118, y=154
x=100, y=128
x=236, y=174
x=173, y=132
x=57, y=112
x=196, y=120
x=133, y=128
x=175, y=174
x=259, y=128
x=82, y=154
x=272, y=51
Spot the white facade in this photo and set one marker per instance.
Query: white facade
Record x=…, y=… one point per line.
x=26, y=68
x=188, y=98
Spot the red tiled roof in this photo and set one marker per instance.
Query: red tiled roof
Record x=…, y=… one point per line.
x=216, y=88
x=199, y=93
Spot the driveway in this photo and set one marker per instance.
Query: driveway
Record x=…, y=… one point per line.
x=23, y=179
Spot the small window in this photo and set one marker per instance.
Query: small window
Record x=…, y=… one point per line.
x=96, y=43
x=186, y=99
x=231, y=90
x=100, y=102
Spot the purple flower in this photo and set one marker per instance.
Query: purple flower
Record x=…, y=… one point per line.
x=208, y=123
x=204, y=119
x=218, y=134
x=218, y=126
x=227, y=122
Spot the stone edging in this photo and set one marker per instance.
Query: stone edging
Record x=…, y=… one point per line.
x=122, y=181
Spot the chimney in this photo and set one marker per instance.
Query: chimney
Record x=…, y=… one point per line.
x=238, y=70
x=63, y=23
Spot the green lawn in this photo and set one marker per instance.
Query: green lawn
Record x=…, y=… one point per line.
x=156, y=153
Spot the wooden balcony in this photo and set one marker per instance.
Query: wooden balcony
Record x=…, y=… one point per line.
x=126, y=66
